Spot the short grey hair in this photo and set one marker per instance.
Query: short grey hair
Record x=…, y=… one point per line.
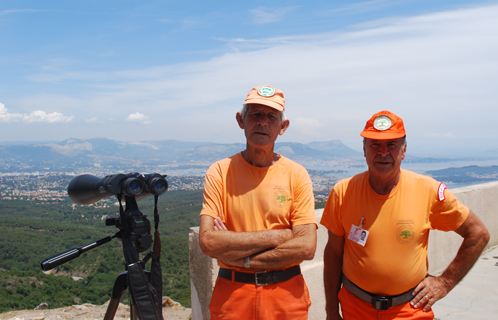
x=245, y=108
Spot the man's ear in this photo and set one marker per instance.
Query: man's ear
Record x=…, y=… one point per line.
x=240, y=120
x=404, y=152
x=285, y=124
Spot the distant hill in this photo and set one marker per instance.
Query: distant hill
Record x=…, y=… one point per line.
x=334, y=148
x=77, y=153
x=80, y=155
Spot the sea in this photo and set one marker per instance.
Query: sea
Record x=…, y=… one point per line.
x=422, y=168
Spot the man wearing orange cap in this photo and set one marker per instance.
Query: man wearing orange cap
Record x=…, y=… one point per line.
x=258, y=220
x=379, y=224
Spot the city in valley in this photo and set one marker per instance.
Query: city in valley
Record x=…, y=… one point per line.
x=42, y=171
x=52, y=186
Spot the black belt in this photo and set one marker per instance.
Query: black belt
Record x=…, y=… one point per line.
x=261, y=278
x=378, y=302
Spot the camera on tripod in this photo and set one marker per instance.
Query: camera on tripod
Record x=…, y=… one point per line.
x=86, y=189
x=132, y=224
x=134, y=231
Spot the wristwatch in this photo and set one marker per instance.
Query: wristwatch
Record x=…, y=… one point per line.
x=247, y=262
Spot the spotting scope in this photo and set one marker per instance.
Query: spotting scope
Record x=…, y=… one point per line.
x=86, y=188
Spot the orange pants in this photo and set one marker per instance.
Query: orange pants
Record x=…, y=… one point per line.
x=354, y=308
x=284, y=300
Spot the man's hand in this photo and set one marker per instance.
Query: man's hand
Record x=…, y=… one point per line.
x=475, y=237
x=239, y=263
x=219, y=225
x=430, y=290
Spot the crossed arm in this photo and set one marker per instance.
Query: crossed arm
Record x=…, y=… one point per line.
x=269, y=249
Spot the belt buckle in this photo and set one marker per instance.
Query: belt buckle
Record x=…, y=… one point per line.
x=256, y=278
x=381, y=303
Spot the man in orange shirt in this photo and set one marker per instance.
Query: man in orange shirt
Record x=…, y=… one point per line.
x=379, y=224
x=258, y=220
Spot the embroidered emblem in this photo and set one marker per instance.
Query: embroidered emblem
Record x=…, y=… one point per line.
x=382, y=123
x=281, y=198
x=440, y=192
x=266, y=91
x=405, y=234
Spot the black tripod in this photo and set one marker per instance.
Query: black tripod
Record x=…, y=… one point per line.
x=145, y=287
x=117, y=293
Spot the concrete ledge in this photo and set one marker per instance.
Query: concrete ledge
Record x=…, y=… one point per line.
x=481, y=199
x=203, y=272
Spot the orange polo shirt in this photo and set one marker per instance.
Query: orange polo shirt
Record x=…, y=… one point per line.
x=394, y=258
x=249, y=198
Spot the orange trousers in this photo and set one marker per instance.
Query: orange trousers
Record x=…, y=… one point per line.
x=284, y=300
x=354, y=308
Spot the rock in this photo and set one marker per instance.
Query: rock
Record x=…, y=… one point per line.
x=92, y=312
x=167, y=302
x=42, y=306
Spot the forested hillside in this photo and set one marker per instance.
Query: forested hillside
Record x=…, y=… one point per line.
x=31, y=231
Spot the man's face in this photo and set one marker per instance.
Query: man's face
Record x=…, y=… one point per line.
x=262, y=125
x=384, y=156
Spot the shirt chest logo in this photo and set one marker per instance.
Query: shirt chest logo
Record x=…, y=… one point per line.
x=281, y=198
x=405, y=232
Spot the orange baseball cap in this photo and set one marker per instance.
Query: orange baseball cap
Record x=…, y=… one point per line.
x=384, y=125
x=268, y=96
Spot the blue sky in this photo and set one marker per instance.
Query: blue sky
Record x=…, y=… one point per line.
x=155, y=70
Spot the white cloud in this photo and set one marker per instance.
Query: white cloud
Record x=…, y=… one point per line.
x=3, y=12
x=263, y=15
x=91, y=120
x=307, y=126
x=138, y=117
x=35, y=116
x=5, y=116
x=42, y=116
x=438, y=71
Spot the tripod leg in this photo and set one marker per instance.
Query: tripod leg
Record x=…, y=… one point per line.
x=118, y=291
x=112, y=308
x=134, y=312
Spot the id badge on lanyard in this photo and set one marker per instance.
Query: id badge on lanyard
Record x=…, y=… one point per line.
x=358, y=234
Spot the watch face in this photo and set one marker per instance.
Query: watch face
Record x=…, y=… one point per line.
x=382, y=123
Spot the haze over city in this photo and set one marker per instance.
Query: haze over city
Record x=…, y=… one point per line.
x=162, y=70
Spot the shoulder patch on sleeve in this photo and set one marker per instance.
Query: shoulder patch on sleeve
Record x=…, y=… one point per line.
x=440, y=192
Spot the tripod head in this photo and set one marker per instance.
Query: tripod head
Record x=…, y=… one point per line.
x=133, y=224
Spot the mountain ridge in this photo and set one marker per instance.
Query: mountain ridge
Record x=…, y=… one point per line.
x=165, y=151
x=75, y=154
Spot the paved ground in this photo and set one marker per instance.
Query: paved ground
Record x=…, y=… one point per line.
x=476, y=296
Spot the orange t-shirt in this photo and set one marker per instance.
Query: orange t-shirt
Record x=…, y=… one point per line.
x=249, y=198
x=394, y=258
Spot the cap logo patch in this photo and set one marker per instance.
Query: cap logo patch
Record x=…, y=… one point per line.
x=266, y=91
x=440, y=192
x=382, y=123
